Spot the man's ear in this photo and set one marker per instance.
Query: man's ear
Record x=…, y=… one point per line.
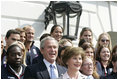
x=41, y=49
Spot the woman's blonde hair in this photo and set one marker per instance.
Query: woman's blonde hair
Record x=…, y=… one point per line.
x=63, y=41
x=100, y=36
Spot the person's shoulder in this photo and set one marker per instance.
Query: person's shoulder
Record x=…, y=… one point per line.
x=32, y=68
x=3, y=67
x=98, y=63
x=61, y=67
x=23, y=66
x=111, y=76
x=36, y=59
x=64, y=76
x=36, y=65
x=4, y=71
x=33, y=45
x=82, y=76
x=33, y=65
x=35, y=48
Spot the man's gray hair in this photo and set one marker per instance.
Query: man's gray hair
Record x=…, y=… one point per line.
x=42, y=43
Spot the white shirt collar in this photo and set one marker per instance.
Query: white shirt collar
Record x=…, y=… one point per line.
x=48, y=63
x=48, y=66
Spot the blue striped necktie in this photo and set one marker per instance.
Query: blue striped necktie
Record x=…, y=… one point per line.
x=52, y=72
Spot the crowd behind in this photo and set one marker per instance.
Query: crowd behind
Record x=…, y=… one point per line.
x=57, y=57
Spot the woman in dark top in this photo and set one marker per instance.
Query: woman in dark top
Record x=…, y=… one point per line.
x=103, y=58
x=113, y=74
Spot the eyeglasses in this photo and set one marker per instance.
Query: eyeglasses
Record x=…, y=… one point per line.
x=88, y=64
x=103, y=40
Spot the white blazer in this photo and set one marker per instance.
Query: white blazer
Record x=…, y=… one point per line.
x=66, y=76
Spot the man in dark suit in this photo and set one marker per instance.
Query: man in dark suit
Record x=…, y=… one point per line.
x=42, y=70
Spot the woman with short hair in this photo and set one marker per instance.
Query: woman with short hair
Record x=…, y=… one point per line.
x=72, y=59
x=88, y=68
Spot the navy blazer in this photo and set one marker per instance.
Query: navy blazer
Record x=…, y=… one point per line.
x=39, y=71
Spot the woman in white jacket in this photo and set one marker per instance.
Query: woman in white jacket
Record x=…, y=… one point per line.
x=72, y=59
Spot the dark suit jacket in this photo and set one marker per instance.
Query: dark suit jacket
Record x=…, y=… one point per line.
x=39, y=71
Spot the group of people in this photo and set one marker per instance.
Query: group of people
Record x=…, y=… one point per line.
x=57, y=57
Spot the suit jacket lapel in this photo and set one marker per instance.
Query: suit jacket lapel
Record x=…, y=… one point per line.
x=59, y=70
x=44, y=72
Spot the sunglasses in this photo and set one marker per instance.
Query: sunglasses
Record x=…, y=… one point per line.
x=103, y=40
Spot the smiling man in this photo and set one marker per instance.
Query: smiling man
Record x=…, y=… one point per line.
x=43, y=69
x=11, y=36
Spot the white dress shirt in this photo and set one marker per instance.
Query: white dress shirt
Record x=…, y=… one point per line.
x=48, y=67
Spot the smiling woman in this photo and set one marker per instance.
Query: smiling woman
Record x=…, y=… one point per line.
x=103, y=59
x=72, y=58
x=57, y=32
